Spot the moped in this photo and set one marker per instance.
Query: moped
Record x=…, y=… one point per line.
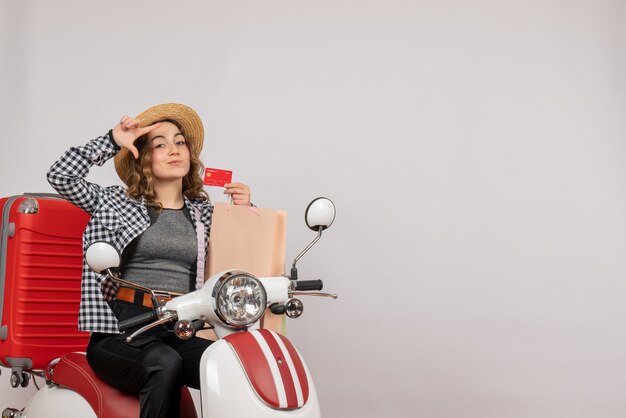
x=247, y=372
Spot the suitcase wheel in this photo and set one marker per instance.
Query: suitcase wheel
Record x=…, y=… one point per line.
x=20, y=379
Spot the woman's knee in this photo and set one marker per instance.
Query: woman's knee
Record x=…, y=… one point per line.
x=165, y=362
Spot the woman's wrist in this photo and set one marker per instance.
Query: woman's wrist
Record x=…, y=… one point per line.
x=117, y=147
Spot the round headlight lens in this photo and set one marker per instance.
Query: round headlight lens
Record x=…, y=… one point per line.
x=240, y=300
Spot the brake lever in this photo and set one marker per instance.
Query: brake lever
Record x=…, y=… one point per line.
x=168, y=317
x=307, y=293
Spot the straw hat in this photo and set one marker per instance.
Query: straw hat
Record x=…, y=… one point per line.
x=188, y=120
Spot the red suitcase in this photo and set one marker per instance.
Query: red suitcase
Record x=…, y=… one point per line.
x=40, y=274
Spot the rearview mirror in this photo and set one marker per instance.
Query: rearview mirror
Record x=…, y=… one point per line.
x=102, y=256
x=320, y=214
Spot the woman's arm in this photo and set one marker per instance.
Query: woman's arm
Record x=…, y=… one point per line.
x=67, y=175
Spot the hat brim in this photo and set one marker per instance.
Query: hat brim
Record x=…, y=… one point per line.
x=188, y=120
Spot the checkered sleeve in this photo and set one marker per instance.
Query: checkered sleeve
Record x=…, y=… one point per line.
x=67, y=175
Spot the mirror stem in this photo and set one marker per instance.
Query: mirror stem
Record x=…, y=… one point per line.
x=294, y=270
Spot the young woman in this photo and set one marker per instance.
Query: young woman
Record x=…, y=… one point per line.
x=160, y=224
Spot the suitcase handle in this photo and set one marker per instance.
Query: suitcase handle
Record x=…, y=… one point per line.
x=50, y=195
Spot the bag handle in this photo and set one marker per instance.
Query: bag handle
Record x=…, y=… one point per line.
x=201, y=254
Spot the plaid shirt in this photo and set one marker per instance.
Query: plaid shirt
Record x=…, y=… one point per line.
x=115, y=218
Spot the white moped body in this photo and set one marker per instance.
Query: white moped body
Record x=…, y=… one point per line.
x=56, y=401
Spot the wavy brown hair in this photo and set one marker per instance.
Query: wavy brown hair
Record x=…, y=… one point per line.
x=141, y=179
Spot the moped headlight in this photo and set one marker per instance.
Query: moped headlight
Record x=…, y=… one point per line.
x=240, y=299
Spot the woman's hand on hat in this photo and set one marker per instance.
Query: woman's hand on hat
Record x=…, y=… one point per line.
x=128, y=130
x=239, y=192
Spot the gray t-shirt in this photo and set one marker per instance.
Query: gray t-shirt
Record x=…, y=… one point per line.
x=164, y=257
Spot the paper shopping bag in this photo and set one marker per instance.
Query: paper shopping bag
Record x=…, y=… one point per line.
x=250, y=239
x=247, y=238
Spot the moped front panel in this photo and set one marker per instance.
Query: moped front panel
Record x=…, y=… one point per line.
x=273, y=367
x=227, y=391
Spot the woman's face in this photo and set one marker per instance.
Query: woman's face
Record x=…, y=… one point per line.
x=170, y=155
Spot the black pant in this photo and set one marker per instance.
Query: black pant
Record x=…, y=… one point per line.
x=155, y=365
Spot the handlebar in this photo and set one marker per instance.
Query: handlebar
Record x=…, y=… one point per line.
x=305, y=285
x=154, y=318
x=142, y=319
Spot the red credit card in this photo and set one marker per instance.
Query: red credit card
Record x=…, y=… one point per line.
x=217, y=177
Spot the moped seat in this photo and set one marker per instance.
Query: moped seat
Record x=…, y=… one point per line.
x=73, y=371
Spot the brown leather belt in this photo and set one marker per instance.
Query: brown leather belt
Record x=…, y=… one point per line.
x=139, y=297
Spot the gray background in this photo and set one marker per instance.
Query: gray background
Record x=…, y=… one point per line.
x=474, y=149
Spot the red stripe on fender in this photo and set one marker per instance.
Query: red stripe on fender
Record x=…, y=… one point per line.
x=283, y=367
x=255, y=365
x=299, y=366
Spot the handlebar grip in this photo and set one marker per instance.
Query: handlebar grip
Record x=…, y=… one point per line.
x=277, y=309
x=309, y=285
x=144, y=318
x=198, y=325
